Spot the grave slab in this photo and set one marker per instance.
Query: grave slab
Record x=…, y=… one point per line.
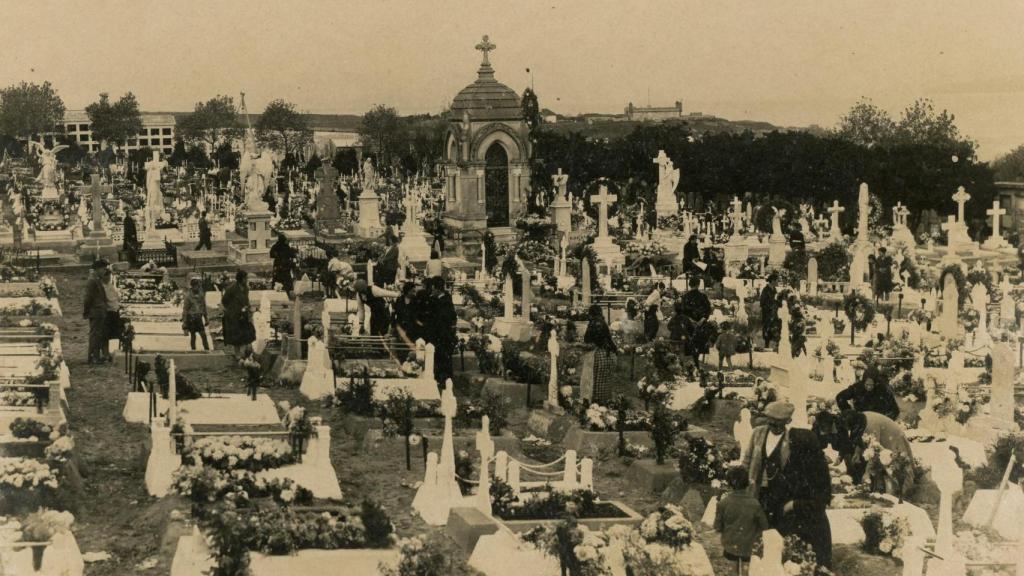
x=504, y=554
x=223, y=409
x=548, y=425
x=650, y=476
x=466, y=526
x=1007, y=520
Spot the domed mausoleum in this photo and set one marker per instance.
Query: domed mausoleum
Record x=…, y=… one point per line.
x=487, y=155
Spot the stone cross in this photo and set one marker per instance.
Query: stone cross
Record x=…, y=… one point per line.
x=98, y=191
x=899, y=214
x=961, y=197
x=553, y=351
x=560, y=181
x=485, y=446
x=995, y=212
x=834, y=211
x=736, y=215
x=486, y=47
x=603, y=200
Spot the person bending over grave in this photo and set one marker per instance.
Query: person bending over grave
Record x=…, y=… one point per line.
x=239, y=331
x=771, y=328
x=439, y=327
x=409, y=318
x=372, y=297
x=848, y=434
x=599, y=336
x=869, y=394
x=789, y=476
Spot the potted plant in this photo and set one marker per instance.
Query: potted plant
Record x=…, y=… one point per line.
x=838, y=325
x=39, y=529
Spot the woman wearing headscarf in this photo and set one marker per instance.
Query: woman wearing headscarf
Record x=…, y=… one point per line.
x=239, y=331
x=599, y=336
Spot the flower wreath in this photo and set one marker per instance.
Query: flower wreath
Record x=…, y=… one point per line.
x=859, y=309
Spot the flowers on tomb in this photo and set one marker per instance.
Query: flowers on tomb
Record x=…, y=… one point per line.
x=764, y=394
x=887, y=471
x=29, y=307
x=239, y=453
x=798, y=558
x=35, y=430
x=600, y=418
x=701, y=462
x=26, y=474
x=645, y=247
x=960, y=405
x=667, y=525
x=17, y=397
x=43, y=524
x=884, y=534
x=859, y=310
x=650, y=391
x=48, y=286
x=60, y=450
x=151, y=289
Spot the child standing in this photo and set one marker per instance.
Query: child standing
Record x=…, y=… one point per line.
x=739, y=519
x=726, y=344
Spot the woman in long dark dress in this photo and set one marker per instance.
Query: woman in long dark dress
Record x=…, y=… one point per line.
x=599, y=336
x=284, y=261
x=239, y=331
x=372, y=298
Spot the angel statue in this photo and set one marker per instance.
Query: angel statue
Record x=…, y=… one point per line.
x=255, y=170
x=48, y=173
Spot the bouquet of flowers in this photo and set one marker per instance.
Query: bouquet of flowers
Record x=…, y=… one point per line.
x=239, y=452
x=667, y=526
x=16, y=397
x=43, y=524
x=650, y=248
x=884, y=534
x=700, y=462
x=920, y=315
x=48, y=287
x=887, y=470
x=970, y=319
x=600, y=418
x=26, y=473
x=817, y=407
x=650, y=392
x=764, y=394
x=60, y=450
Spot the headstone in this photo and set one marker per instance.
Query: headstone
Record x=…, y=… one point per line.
x=1003, y=403
x=296, y=348
x=1007, y=306
x=553, y=351
x=449, y=488
x=770, y=561
x=485, y=446
x=561, y=208
x=812, y=276
x=979, y=301
x=835, y=233
x=785, y=347
x=949, y=322
x=741, y=431
x=585, y=263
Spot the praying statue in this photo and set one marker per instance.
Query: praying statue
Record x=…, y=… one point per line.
x=255, y=170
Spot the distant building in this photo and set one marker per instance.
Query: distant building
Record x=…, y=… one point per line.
x=158, y=131
x=654, y=114
x=1011, y=197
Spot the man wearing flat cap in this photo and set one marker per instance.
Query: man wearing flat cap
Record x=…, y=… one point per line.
x=94, y=309
x=789, y=476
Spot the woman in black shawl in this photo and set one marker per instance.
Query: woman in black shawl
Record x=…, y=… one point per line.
x=239, y=331
x=599, y=336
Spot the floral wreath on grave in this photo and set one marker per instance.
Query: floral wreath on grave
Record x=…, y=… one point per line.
x=701, y=462
x=887, y=471
x=798, y=558
x=667, y=525
x=960, y=407
x=859, y=309
x=289, y=223
x=884, y=534
x=48, y=286
x=969, y=319
x=750, y=269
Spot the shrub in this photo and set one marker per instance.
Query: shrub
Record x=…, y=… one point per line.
x=834, y=262
x=357, y=397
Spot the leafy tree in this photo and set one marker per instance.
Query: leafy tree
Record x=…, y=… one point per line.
x=345, y=161
x=531, y=109
x=867, y=125
x=382, y=131
x=211, y=123
x=27, y=110
x=1010, y=167
x=920, y=124
x=115, y=122
x=283, y=128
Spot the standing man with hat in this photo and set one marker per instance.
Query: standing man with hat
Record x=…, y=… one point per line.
x=94, y=309
x=789, y=476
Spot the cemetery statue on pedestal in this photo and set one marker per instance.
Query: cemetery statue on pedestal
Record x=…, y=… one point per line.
x=777, y=241
x=900, y=232
x=862, y=245
x=369, y=204
x=154, y=199
x=668, y=180
x=48, y=173
x=255, y=169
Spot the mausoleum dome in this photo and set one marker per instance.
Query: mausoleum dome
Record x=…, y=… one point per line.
x=487, y=99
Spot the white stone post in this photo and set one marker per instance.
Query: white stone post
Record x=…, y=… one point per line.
x=553, y=351
x=513, y=476
x=569, y=475
x=172, y=394
x=587, y=474
x=501, y=466
x=485, y=446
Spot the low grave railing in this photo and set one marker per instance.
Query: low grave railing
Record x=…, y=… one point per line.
x=44, y=393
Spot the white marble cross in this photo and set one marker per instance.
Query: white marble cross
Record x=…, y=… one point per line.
x=736, y=215
x=949, y=225
x=603, y=200
x=995, y=212
x=834, y=211
x=961, y=197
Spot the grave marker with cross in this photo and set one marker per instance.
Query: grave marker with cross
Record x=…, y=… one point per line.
x=961, y=197
x=995, y=212
x=603, y=200
x=98, y=191
x=834, y=211
x=486, y=47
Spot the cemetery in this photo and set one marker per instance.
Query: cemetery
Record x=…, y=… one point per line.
x=528, y=353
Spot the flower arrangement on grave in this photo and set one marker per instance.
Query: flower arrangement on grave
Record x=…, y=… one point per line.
x=672, y=222
x=204, y=485
x=859, y=310
x=884, y=534
x=764, y=394
x=646, y=248
x=750, y=269
x=887, y=471
x=234, y=528
x=48, y=286
x=496, y=407
x=41, y=526
x=960, y=406
x=238, y=453
x=834, y=262
x=798, y=558
x=26, y=483
x=838, y=324
x=398, y=413
x=536, y=226
x=921, y=316
x=891, y=356
x=290, y=222
x=420, y=557
x=700, y=462
x=910, y=387
x=830, y=349
x=32, y=429
x=34, y=307
x=599, y=418
x=12, y=273
x=59, y=451
x=17, y=397
x=669, y=526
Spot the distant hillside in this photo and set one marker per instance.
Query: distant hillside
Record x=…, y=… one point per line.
x=602, y=128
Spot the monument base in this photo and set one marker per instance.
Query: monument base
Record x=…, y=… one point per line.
x=996, y=243
x=903, y=235
x=414, y=246
x=777, y=251
x=665, y=207
x=516, y=329
x=369, y=230
x=609, y=252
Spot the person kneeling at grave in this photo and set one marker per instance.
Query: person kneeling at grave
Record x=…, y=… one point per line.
x=789, y=476
x=849, y=432
x=869, y=394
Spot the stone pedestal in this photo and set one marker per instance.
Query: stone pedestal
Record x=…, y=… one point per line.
x=369, y=225
x=777, y=250
x=260, y=237
x=903, y=235
x=467, y=525
x=561, y=214
x=414, y=245
x=736, y=253
x=609, y=252
x=515, y=329
x=650, y=476
x=50, y=193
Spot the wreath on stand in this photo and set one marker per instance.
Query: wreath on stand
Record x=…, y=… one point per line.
x=860, y=310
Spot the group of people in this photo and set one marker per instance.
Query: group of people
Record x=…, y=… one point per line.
x=101, y=307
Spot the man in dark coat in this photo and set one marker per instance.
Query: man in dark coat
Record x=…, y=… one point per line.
x=789, y=476
x=205, y=234
x=869, y=394
x=691, y=255
x=770, y=327
x=94, y=309
x=239, y=331
x=439, y=328
x=883, y=275
x=284, y=260
x=695, y=308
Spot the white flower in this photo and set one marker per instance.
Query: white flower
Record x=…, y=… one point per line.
x=869, y=453
x=585, y=553
x=716, y=484
x=287, y=495
x=885, y=457
x=885, y=546
x=791, y=568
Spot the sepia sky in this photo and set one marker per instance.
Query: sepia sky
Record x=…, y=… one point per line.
x=791, y=62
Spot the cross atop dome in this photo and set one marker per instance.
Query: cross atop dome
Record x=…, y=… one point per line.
x=485, y=46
